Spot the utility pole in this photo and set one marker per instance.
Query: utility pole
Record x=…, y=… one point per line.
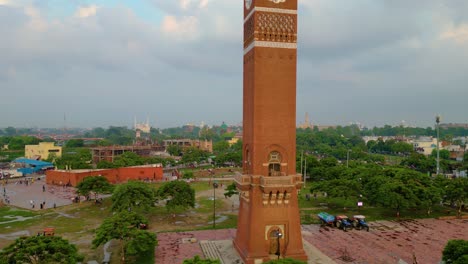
x=305, y=172
x=438, y=155
x=215, y=185
x=302, y=154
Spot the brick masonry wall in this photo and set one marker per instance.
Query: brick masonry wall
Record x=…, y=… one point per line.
x=114, y=176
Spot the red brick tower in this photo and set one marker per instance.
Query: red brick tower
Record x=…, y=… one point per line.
x=269, y=221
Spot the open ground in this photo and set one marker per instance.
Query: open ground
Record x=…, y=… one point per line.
x=387, y=241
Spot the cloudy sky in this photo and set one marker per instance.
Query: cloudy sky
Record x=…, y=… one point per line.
x=103, y=62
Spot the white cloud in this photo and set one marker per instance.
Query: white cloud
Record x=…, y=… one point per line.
x=203, y=3
x=36, y=22
x=351, y=56
x=458, y=34
x=86, y=11
x=184, y=4
x=186, y=27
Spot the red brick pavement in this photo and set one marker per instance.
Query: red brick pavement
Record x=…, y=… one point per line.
x=424, y=238
x=171, y=250
x=387, y=242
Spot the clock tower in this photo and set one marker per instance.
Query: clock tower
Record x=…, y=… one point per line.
x=269, y=222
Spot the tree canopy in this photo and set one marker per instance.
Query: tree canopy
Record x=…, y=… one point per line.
x=124, y=226
x=40, y=249
x=95, y=184
x=457, y=192
x=178, y=194
x=456, y=252
x=75, y=159
x=231, y=190
x=133, y=196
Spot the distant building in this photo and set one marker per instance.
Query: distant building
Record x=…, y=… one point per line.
x=31, y=166
x=456, y=152
x=425, y=145
x=307, y=123
x=152, y=172
x=109, y=153
x=143, y=127
x=42, y=151
x=234, y=139
x=205, y=145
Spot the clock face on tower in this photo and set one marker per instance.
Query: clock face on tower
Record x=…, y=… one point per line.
x=248, y=3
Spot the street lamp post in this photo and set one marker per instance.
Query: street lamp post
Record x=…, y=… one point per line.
x=438, y=157
x=215, y=185
x=278, y=237
x=305, y=172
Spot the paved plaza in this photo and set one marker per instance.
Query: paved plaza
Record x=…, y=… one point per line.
x=20, y=194
x=387, y=242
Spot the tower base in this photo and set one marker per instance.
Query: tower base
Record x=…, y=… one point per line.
x=269, y=222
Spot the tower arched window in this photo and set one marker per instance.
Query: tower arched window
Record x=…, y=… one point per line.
x=274, y=164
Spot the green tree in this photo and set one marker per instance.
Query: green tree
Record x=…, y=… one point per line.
x=198, y=260
x=328, y=162
x=40, y=249
x=207, y=133
x=187, y=175
x=339, y=188
x=397, y=195
x=75, y=143
x=443, y=154
x=402, y=147
x=457, y=192
x=104, y=164
x=124, y=226
x=419, y=162
x=231, y=190
x=103, y=143
x=128, y=159
x=95, y=184
x=79, y=159
x=456, y=252
x=193, y=154
x=133, y=196
x=174, y=150
x=429, y=197
x=220, y=147
x=178, y=194
x=18, y=142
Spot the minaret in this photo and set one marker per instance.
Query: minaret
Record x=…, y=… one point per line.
x=269, y=222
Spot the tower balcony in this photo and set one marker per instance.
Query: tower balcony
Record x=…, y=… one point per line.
x=269, y=183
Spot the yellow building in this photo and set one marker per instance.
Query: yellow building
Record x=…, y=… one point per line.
x=235, y=139
x=42, y=151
